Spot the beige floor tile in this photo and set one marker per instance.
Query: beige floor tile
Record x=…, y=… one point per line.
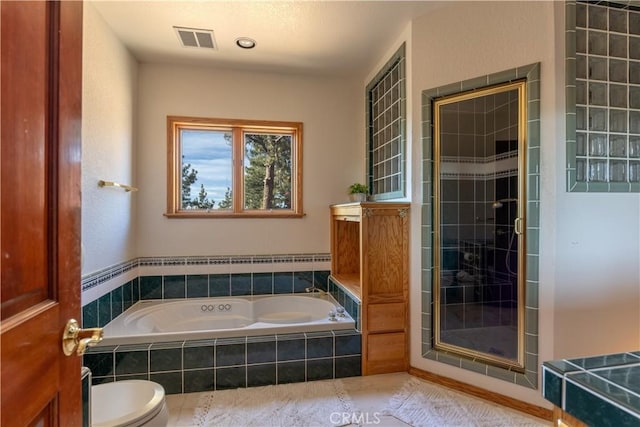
x=192, y=400
x=389, y=421
x=371, y=393
x=185, y=418
x=370, y=396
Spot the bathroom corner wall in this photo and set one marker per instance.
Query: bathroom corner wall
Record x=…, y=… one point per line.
x=108, y=127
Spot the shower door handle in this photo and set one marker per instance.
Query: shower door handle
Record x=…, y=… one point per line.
x=517, y=226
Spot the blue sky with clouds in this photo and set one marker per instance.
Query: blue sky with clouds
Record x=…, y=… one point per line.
x=211, y=155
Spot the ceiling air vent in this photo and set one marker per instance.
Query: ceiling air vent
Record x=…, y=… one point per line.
x=194, y=37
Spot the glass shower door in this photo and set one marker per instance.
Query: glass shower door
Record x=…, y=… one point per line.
x=479, y=141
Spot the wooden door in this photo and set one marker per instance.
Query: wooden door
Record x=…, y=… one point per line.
x=41, y=88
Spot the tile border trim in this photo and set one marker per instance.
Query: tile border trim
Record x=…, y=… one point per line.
x=101, y=276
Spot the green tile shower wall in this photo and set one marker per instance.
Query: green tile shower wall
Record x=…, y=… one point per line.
x=530, y=377
x=223, y=363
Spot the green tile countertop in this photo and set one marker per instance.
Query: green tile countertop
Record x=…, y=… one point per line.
x=599, y=390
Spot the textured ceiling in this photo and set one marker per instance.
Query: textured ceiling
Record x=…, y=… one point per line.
x=296, y=36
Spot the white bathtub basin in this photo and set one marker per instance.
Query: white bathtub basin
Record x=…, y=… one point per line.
x=205, y=318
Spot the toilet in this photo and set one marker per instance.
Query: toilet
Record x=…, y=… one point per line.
x=130, y=403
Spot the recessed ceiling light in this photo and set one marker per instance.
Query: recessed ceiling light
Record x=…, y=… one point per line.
x=246, y=42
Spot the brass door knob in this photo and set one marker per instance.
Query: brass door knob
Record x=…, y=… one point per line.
x=76, y=339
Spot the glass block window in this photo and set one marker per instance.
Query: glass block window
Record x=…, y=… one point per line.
x=386, y=130
x=604, y=152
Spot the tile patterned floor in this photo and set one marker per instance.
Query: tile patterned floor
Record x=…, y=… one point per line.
x=369, y=394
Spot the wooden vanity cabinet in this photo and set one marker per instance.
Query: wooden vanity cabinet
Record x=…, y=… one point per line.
x=369, y=257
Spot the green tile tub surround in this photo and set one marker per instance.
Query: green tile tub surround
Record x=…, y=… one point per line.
x=199, y=380
x=262, y=283
x=259, y=352
x=349, y=366
x=104, y=309
x=601, y=390
x=290, y=372
x=346, y=299
x=291, y=347
x=532, y=74
x=170, y=381
x=231, y=377
x=261, y=375
x=241, y=284
x=197, y=285
x=230, y=351
x=174, y=286
x=205, y=365
x=321, y=369
x=602, y=75
x=99, y=312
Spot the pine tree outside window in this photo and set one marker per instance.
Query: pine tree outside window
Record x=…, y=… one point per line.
x=233, y=168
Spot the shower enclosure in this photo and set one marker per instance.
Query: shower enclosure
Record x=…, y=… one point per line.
x=479, y=146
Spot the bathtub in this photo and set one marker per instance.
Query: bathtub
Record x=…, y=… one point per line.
x=151, y=321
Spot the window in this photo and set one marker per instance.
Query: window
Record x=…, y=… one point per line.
x=386, y=130
x=603, y=97
x=233, y=168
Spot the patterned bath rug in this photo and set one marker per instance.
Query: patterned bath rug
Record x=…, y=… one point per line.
x=420, y=403
x=310, y=404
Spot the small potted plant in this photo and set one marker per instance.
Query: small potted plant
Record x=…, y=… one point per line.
x=358, y=192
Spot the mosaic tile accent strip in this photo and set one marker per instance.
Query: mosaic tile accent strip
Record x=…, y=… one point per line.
x=94, y=279
x=530, y=377
x=206, y=365
x=109, y=273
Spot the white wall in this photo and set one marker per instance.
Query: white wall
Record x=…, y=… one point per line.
x=108, y=127
x=331, y=112
x=589, y=274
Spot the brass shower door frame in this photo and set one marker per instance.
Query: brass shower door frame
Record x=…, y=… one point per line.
x=519, y=224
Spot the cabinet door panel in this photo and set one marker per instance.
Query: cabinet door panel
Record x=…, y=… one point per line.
x=386, y=353
x=386, y=317
x=384, y=256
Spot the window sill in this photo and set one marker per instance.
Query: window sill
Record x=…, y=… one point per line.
x=211, y=215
